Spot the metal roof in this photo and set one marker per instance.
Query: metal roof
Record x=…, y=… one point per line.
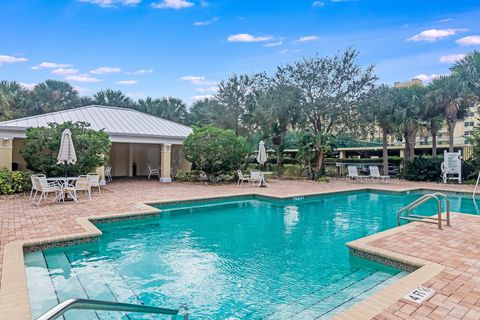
x=114, y=120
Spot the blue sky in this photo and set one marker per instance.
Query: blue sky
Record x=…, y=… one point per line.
x=182, y=48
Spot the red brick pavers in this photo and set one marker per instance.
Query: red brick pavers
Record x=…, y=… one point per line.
x=458, y=248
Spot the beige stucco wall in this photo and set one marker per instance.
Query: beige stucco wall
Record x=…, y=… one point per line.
x=6, y=152
x=119, y=154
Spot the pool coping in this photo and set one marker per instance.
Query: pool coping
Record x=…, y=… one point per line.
x=14, y=300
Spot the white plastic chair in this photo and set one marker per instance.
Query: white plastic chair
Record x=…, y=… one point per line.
x=35, y=186
x=94, y=181
x=375, y=174
x=255, y=177
x=108, y=174
x=242, y=178
x=45, y=188
x=151, y=171
x=81, y=184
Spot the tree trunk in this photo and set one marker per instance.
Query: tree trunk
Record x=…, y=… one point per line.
x=319, y=170
x=280, y=161
x=434, y=144
x=451, y=130
x=385, y=151
x=407, y=146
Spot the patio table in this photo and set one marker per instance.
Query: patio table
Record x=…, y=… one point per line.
x=64, y=181
x=263, y=180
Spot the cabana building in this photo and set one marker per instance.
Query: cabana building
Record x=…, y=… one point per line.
x=138, y=139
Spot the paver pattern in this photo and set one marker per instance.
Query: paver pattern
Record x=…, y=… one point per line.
x=458, y=247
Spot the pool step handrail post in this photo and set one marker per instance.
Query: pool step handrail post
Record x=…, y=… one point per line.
x=99, y=305
x=437, y=220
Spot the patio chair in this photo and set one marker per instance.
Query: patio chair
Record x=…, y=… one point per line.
x=94, y=181
x=255, y=177
x=153, y=171
x=375, y=174
x=242, y=178
x=353, y=174
x=35, y=186
x=108, y=174
x=81, y=184
x=43, y=187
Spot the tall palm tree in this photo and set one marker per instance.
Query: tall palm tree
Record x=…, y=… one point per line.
x=408, y=112
x=433, y=116
x=169, y=108
x=53, y=95
x=5, y=110
x=112, y=98
x=448, y=93
x=18, y=97
x=467, y=71
x=380, y=109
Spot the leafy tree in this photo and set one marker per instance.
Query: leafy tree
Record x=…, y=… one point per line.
x=277, y=109
x=112, y=98
x=170, y=108
x=208, y=111
x=312, y=145
x=214, y=150
x=330, y=89
x=53, y=95
x=433, y=116
x=379, y=108
x=448, y=93
x=237, y=96
x=42, y=144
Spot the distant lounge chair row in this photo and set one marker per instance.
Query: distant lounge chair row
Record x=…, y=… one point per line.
x=374, y=175
x=254, y=177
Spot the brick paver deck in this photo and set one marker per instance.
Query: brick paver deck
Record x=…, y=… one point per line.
x=457, y=248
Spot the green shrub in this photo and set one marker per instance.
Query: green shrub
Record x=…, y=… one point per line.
x=188, y=176
x=214, y=151
x=424, y=169
x=42, y=144
x=14, y=181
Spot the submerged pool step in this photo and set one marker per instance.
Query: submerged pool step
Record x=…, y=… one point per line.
x=324, y=307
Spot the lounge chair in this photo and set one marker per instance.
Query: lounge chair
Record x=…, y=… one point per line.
x=35, y=186
x=153, y=172
x=353, y=174
x=375, y=174
x=242, y=178
x=94, y=181
x=45, y=188
x=81, y=184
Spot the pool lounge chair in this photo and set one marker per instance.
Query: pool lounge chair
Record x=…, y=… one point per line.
x=375, y=174
x=353, y=175
x=43, y=187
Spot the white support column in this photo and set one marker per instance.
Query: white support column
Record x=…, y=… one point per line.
x=165, y=163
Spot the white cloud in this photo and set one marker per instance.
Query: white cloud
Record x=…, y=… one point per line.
x=273, y=44
x=469, y=40
x=140, y=72
x=112, y=3
x=427, y=77
x=106, y=70
x=11, y=59
x=307, y=39
x=207, y=89
x=64, y=71
x=289, y=51
x=172, y=4
x=451, y=58
x=445, y=20
x=198, y=80
x=245, y=37
x=29, y=86
x=51, y=65
x=127, y=82
x=206, y=22
x=202, y=97
x=82, y=78
x=318, y=4
x=433, y=35
x=82, y=90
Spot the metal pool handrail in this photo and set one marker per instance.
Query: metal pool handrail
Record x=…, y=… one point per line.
x=98, y=305
x=414, y=217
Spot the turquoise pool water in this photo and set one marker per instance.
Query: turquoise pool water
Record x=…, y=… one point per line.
x=238, y=258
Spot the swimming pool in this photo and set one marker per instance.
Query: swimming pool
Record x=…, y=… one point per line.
x=233, y=258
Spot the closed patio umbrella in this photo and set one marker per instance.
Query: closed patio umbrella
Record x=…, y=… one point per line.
x=262, y=153
x=66, y=154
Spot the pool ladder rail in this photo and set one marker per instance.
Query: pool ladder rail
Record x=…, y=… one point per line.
x=98, y=305
x=437, y=219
